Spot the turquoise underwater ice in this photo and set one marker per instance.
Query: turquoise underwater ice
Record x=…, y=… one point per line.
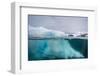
x=46, y=49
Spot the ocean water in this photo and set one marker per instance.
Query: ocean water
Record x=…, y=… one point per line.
x=57, y=48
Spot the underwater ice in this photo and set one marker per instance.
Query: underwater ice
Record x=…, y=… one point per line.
x=49, y=48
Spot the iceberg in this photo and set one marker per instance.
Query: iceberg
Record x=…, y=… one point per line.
x=36, y=32
x=46, y=49
x=44, y=32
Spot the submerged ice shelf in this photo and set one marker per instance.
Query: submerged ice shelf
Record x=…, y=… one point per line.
x=46, y=49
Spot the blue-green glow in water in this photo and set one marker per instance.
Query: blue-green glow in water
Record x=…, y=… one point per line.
x=51, y=49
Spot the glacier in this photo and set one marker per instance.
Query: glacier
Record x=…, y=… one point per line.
x=49, y=45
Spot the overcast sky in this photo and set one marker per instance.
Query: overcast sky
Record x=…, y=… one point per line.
x=70, y=24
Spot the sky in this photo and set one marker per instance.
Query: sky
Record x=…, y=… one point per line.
x=68, y=24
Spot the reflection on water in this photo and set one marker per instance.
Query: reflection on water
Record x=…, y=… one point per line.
x=57, y=48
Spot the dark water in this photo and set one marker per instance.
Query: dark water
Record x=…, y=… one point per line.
x=57, y=48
